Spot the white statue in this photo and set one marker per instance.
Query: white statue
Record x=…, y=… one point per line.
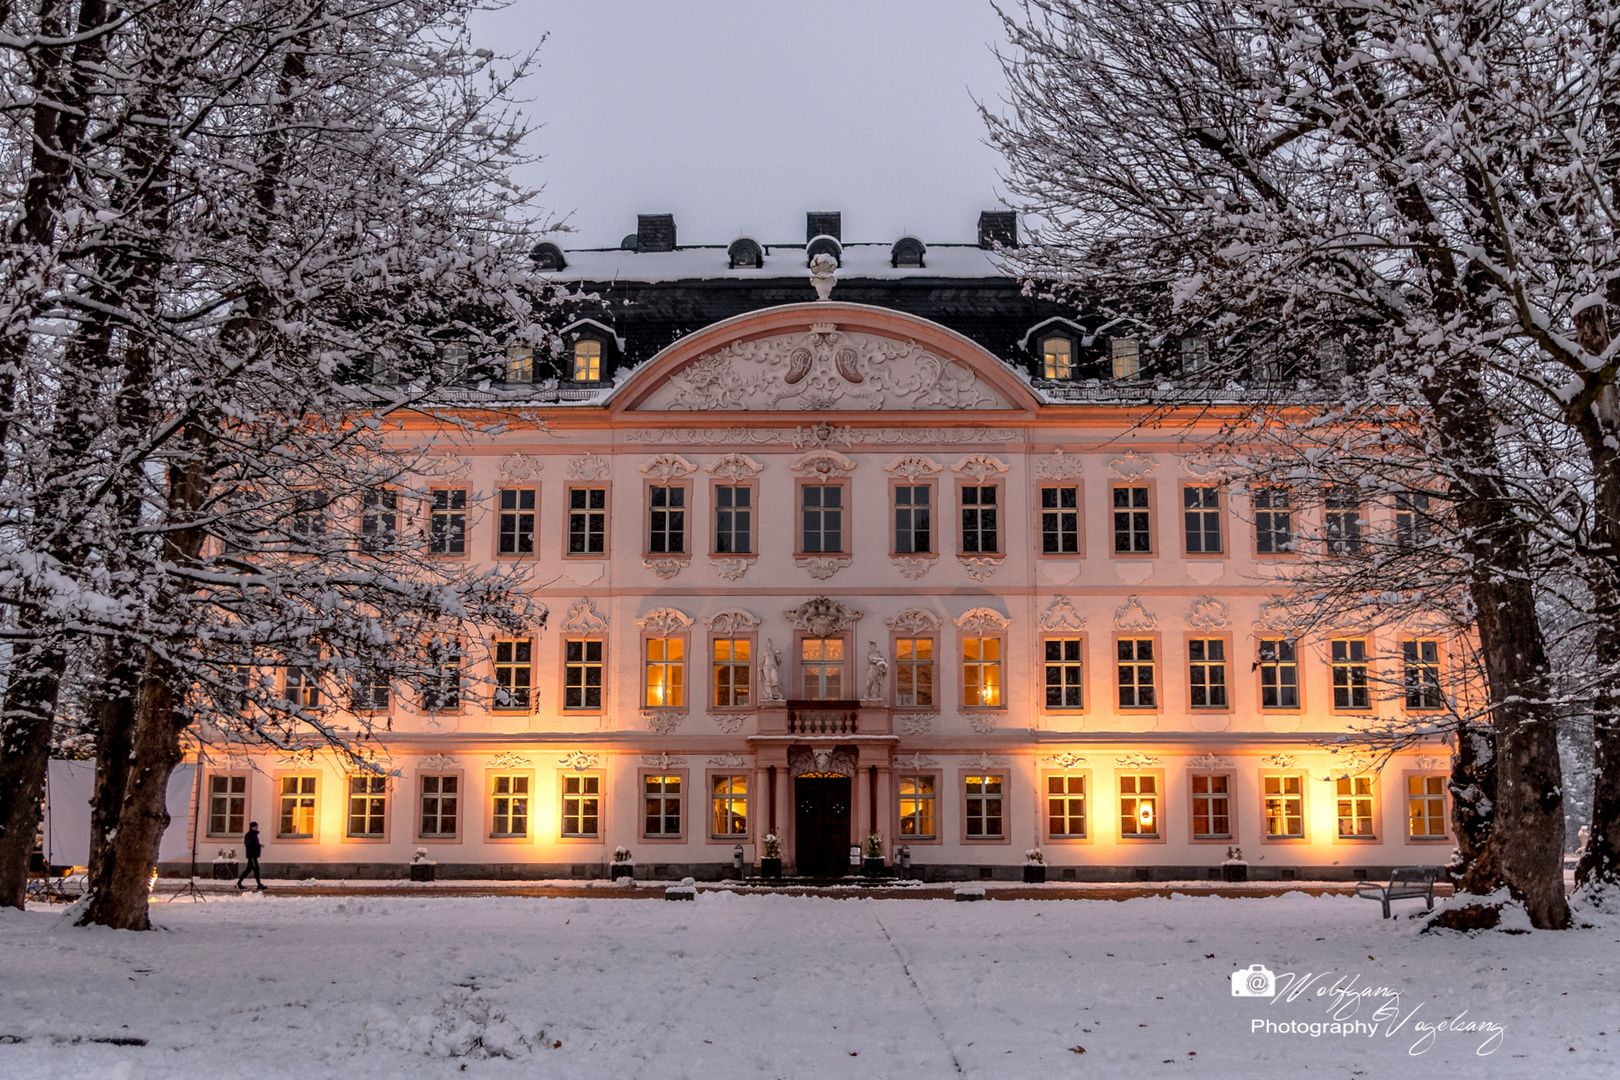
x=770, y=673
x=877, y=669
x=823, y=269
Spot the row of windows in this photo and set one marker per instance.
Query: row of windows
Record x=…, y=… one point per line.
x=1139, y=806
x=1122, y=360
x=824, y=522
x=822, y=676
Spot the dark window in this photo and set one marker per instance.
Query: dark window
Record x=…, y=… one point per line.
x=1411, y=519
x=1203, y=518
x=379, y=521
x=1343, y=519
x=667, y=520
x=1212, y=806
x=514, y=673
x=587, y=521
x=979, y=519
x=733, y=520
x=662, y=802
x=448, y=535
x=582, y=800
x=309, y=514
x=517, y=521
x=823, y=518
x=1066, y=805
x=1137, y=686
x=1350, y=674
x=1206, y=664
x=373, y=690
x=441, y=687
x=1273, y=521
x=1131, y=520
x=912, y=528
x=582, y=674
x=1063, y=671
x=1422, y=674
x=1060, y=521
x=1279, y=674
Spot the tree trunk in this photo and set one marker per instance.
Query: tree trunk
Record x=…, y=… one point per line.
x=25, y=752
x=1473, y=800
x=115, y=737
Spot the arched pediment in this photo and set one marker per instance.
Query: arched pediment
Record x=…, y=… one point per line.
x=824, y=357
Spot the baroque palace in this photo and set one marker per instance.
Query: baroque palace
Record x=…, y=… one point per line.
x=842, y=539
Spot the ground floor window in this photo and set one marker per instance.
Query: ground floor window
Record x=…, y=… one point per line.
x=1139, y=805
x=1066, y=806
x=297, y=818
x=581, y=804
x=368, y=806
x=917, y=800
x=1212, y=806
x=1426, y=807
x=227, y=805
x=729, y=796
x=440, y=799
x=1355, y=804
x=662, y=802
x=1285, y=806
x=983, y=810
x=509, y=806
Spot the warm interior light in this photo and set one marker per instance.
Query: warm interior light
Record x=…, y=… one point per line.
x=1144, y=814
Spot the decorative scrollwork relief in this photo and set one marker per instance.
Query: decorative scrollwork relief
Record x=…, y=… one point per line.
x=1132, y=616
x=984, y=723
x=822, y=616
x=913, y=467
x=509, y=759
x=1060, y=466
x=821, y=567
x=1208, y=613
x=732, y=569
x=914, y=622
x=911, y=567
x=915, y=723
x=583, y=618
x=1066, y=760
x=979, y=569
x=668, y=467
x=520, y=467
x=588, y=466
x=665, y=621
x=733, y=622
x=980, y=466
x=736, y=467
x=1061, y=615
x=665, y=568
x=578, y=760
x=982, y=620
x=662, y=721
x=1136, y=761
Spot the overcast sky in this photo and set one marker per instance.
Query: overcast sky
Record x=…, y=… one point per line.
x=739, y=117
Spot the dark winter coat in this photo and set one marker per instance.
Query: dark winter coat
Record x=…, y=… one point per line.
x=250, y=844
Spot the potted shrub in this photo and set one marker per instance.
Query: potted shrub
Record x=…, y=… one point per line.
x=770, y=857
x=225, y=865
x=872, y=864
x=422, y=867
x=624, y=864
x=1034, y=867
x=1235, y=868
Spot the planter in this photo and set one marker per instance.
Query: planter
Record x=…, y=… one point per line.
x=226, y=871
x=1235, y=872
x=1034, y=873
x=423, y=871
x=621, y=869
x=770, y=868
x=872, y=867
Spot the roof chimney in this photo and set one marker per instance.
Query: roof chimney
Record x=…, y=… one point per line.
x=823, y=223
x=655, y=232
x=998, y=227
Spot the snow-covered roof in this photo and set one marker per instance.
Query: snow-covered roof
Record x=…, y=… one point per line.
x=860, y=260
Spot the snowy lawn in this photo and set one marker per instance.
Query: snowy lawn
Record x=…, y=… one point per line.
x=775, y=986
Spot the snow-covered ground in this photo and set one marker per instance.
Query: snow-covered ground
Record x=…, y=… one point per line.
x=776, y=986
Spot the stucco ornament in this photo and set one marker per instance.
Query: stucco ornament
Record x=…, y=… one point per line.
x=823, y=369
x=583, y=618
x=915, y=723
x=770, y=673
x=436, y=762
x=1279, y=761
x=1208, y=613
x=916, y=761
x=665, y=621
x=823, y=275
x=1209, y=761
x=665, y=568
x=730, y=761
x=588, y=467
x=668, y=467
x=728, y=723
x=508, y=759
x=978, y=568
x=302, y=758
x=980, y=466
x=736, y=467
x=1136, y=761
x=913, y=467
x=663, y=721
x=984, y=760
x=732, y=569
x=822, y=463
x=877, y=672
x=1061, y=614
x=578, y=760
x=982, y=620
x=821, y=567
x=913, y=622
x=1131, y=615
x=801, y=437
x=662, y=760
x=828, y=761
x=912, y=567
x=822, y=616
x=1132, y=466
x=1350, y=765
x=984, y=723
x=520, y=467
x=733, y=622
x=1060, y=466
x=1066, y=760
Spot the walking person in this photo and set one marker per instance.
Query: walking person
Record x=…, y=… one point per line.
x=251, y=845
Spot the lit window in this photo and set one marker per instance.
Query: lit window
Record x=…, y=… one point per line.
x=227, y=805
x=1132, y=520
x=297, y=818
x=1138, y=805
x=1355, y=799
x=666, y=673
x=1202, y=511
x=582, y=673
x=1137, y=685
x=587, y=361
x=1279, y=674
x=732, y=673
x=1212, y=806
x=821, y=664
x=1063, y=671
x=1273, y=521
x=983, y=809
x=822, y=516
x=914, y=672
x=581, y=804
x=1058, y=358
x=1127, y=357
x=448, y=535
x=1343, y=518
x=979, y=520
x=440, y=801
x=729, y=800
x=912, y=519
x=368, y=806
x=981, y=672
x=379, y=521
x=519, y=364
x=303, y=688
x=1411, y=519
x=516, y=522
x=1350, y=674
x=1206, y=667
x=1422, y=658
x=1060, y=521
x=917, y=806
x=1285, y=806
x=666, y=520
x=587, y=521
x=1426, y=807
x=1066, y=806
x=733, y=520
x=661, y=805
x=514, y=673
x=509, y=806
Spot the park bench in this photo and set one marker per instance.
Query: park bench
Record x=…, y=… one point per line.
x=1405, y=883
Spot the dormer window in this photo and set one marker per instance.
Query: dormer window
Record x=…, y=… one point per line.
x=745, y=254
x=1127, y=357
x=587, y=360
x=452, y=362
x=548, y=256
x=907, y=251
x=1057, y=354
x=519, y=364
x=1194, y=355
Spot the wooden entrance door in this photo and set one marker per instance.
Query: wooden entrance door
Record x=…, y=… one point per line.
x=821, y=825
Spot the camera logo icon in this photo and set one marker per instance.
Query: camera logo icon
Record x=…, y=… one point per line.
x=1254, y=981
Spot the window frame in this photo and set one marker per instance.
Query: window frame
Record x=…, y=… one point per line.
x=1343, y=544
x=1418, y=528
x=380, y=504
x=370, y=707
x=584, y=341
x=931, y=636
x=1085, y=775
x=684, y=639
x=1232, y=803
x=1366, y=663
x=495, y=666
x=1038, y=533
x=714, y=518
x=449, y=512
x=1260, y=665
x=938, y=835
x=648, y=510
x=1085, y=671
x=1438, y=666
x=276, y=779
x=1221, y=517
x=1003, y=688
x=247, y=803
x=1047, y=367
x=1158, y=674
x=710, y=797
x=1376, y=797
x=1151, y=487
x=752, y=665
x=846, y=529
x=997, y=485
x=489, y=794
x=962, y=796
x=601, y=638
x=1255, y=510
x=1117, y=353
x=388, y=793
x=458, y=653
x=568, y=490
x=561, y=805
x=309, y=682
x=846, y=674
x=684, y=775
x=499, y=532
x=1304, y=778
x=932, y=486
x=1226, y=648
x=1161, y=797
x=1446, y=836
x=459, y=775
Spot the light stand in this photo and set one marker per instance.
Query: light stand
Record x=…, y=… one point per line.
x=190, y=889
